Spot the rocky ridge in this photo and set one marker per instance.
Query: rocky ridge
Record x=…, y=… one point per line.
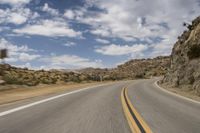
x=184, y=71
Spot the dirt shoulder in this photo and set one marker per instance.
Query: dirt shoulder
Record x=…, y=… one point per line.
x=18, y=93
x=183, y=92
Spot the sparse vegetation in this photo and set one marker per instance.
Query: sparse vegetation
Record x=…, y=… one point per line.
x=12, y=80
x=133, y=69
x=138, y=68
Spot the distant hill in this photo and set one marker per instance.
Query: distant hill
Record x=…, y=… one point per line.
x=24, y=76
x=145, y=68
x=184, y=69
x=138, y=68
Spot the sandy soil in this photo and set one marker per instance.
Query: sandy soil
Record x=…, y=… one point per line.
x=21, y=93
x=184, y=92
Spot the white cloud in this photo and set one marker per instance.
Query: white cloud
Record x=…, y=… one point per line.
x=15, y=15
x=69, y=14
x=28, y=57
x=69, y=44
x=71, y=61
x=50, y=28
x=132, y=19
x=162, y=48
x=30, y=66
x=102, y=32
x=18, y=53
x=17, y=18
x=14, y=2
x=125, y=17
x=77, y=13
x=50, y=10
x=114, y=49
x=26, y=65
x=14, y=48
x=102, y=41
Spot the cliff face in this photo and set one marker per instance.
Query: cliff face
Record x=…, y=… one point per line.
x=185, y=60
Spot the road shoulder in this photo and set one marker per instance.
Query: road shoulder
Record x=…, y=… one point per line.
x=184, y=94
x=15, y=95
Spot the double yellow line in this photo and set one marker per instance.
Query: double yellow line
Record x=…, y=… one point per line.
x=135, y=121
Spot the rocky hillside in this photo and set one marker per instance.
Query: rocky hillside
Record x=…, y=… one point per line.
x=144, y=68
x=24, y=76
x=184, y=69
x=137, y=68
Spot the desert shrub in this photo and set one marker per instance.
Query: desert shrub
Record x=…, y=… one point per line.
x=83, y=78
x=76, y=79
x=46, y=81
x=32, y=83
x=54, y=80
x=139, y=76
x=12, y=80
x=194, y=52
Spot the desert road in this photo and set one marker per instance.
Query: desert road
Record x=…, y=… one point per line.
x=103, y=109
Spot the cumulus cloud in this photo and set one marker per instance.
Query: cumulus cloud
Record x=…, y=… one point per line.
x=30, y=65
x=12, y=47
x=26, y=65
x=14, y=2
x=50, y=28
x=28, y=57
x=162, y=48
x=114, y=49
x=15, y=15
x=125, y=17
x=18, y=53
x=102, y=41
x=50, y=10
x=101, y=31
x=152, y=30
x=71, y=61
x=131, y=20
x=77, y=13
x=69, y=14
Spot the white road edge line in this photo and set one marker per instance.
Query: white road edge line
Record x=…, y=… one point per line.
x=46, y=100
x=174, y=94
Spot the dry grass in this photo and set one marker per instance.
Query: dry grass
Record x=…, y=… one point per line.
x=12, y=95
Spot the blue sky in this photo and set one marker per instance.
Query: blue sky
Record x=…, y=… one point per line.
x=70, y=34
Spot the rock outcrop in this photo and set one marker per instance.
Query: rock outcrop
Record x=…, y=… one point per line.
x=184, y=69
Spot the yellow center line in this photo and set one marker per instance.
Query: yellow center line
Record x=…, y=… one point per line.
x=127, y=110
x=127, y=113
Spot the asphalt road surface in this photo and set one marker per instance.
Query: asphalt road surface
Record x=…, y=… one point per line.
x=99, y=110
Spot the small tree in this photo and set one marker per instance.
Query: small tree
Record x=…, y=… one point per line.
x=189, y=26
